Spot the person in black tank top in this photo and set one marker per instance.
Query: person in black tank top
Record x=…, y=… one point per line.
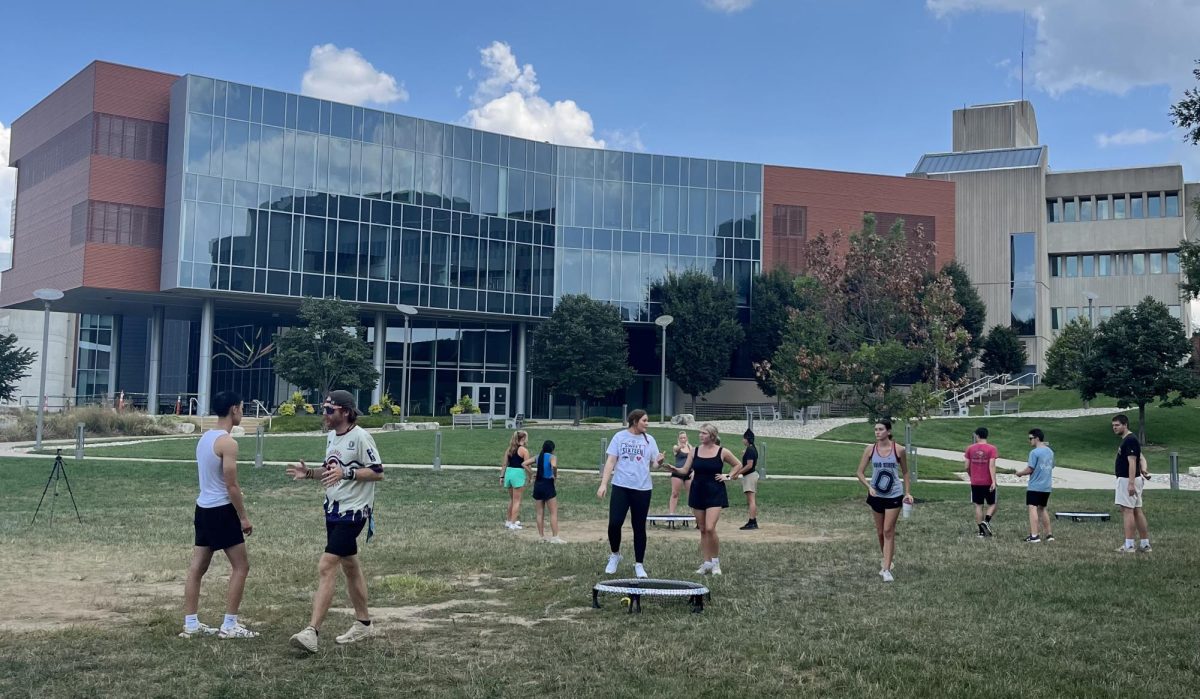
x=707, y=496
x=680, y=449
x=545, y=471
x=513, y=476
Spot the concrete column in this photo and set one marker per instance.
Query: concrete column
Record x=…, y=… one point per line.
x=156, y=340
x=113, y=355
x=520, y=409
x=380, y=349
x=204, y=379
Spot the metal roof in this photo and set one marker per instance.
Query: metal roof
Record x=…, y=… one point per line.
x=980, y=160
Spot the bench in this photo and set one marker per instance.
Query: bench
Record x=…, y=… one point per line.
x=1083, y=516
x=1001, y=408
x=471, y=420
x=515, y=423
x=671, y=520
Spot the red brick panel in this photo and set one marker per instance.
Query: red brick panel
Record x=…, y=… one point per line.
x=123, y=181
x=121, y=267
x=133, y=92
x=50, y=117
x=42, y=252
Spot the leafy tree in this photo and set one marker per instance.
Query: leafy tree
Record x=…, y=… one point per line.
x=801, y=369
x=1141, y=354
x=974, y=312
x=701, y=341
x=774, y=294
x=1003, y=351
x=582, y=350
x=1186, y=115
x=14, y=366
x=1068, y=356
x=947, y=343
x=325, y=351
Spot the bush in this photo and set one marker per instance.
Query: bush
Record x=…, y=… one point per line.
x=97, y=421
x=375, y=409
x=464, y=405
x=600, y=419
x=287, y=409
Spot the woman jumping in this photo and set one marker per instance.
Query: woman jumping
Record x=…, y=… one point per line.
x=708, y=497
x=544, y=493
x=887, y=490
x=681, y=449
x=512, y=476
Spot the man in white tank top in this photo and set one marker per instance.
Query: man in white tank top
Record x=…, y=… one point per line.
x=220, y=521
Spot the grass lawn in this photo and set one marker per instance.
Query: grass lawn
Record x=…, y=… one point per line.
x=1079, y=442
x=576, y=448
x=1044, y=398
x=467, y=609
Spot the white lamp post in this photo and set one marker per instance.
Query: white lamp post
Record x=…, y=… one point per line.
x=47, y=296
x=404, y=392
x=663, y=321
x=1091, y=298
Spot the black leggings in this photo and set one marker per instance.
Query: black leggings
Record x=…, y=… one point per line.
x=624, y=500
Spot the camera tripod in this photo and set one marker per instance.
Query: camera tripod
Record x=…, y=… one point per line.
x=59, y=470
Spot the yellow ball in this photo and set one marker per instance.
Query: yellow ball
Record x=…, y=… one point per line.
x=626, y=601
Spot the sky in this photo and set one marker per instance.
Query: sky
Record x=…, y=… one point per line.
x=856, y=85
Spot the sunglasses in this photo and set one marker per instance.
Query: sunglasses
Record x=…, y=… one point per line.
x=329, y=409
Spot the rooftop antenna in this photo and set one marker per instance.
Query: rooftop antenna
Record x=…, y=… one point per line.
x=1022, y=55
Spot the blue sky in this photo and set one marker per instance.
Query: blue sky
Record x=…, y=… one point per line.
x=860, y=85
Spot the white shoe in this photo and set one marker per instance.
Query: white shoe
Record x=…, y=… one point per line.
x=705, y=568
x=613, y=561
x=556, y=540
x=306, y=639
x=236, y=631
x=517, y=525
x=508, y=525
x=887, y=576
x=716, y=569
x=199, y=631
x=639, y=571
x=357, y=632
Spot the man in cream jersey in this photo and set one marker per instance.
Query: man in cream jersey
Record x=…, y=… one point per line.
x=352, y=466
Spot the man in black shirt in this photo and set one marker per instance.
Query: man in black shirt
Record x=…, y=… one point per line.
x=1129, y=487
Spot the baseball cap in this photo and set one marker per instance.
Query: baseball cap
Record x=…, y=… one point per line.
x=344, y=399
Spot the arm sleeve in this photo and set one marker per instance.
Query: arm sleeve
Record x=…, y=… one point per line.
x=368, y=453
x=612, y=447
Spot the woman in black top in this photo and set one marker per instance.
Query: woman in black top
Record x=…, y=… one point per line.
x=681, y=449
x=749, y=477
x=708, y=497
x=513, y=475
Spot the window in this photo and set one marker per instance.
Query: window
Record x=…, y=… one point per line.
x=1103, y=212
x=1103, y=265
x=1118, y=206
x=1172, y=207
x=1054, y=314
x=1072, y=314
x=1173, y=263
x=1139, y=263
x=1154, y=206
x=1053, y=211
x=1088, y=266
x=1055, y=266
x=1069, y=210
x=1106, y=312
x=1136, y=209
x=1072, y=267
x=1174, y=311
x=1156, y=263
x=1022, y=260
x=1085, y=208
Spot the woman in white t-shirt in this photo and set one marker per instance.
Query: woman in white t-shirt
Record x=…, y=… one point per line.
x=631, y=454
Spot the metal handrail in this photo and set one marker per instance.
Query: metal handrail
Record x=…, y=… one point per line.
x=259, y=408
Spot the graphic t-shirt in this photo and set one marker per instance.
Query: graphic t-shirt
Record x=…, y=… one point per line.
x=635, y=453
x=978, y=456
x=351, y=500
x=1130, y=446
x=1041, y=460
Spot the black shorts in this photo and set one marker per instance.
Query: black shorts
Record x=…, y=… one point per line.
x=707, y=493
x=682, y=478
x=882, y=504
x=1036, y=498
x=981, y=494
x=544, y=490
x=341, y=538
x=218, y=528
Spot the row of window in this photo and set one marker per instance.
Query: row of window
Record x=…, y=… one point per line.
x=626, y=277
x=1115, y=264
x=1104, y=207
x=116, y=224
x=658, y=243
x=1061, y=316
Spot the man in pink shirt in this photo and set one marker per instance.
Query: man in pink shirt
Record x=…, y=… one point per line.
x=980, y=458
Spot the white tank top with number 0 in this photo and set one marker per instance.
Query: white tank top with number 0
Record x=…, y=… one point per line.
x=212, y=480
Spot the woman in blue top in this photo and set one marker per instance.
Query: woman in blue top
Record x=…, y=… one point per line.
x=544, y=493
x=887, y=490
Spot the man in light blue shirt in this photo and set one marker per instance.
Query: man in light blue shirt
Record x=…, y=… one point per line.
x=1040, y=471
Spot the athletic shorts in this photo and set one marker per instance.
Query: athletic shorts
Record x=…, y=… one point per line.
x=981, y=494
x=218, y=528
x=1123, y=498
x=514, y=478
x=749, y=482
x=1037, y=498
x=881, y=504
x=682, y=478
x=341, y=538
x=544, y=490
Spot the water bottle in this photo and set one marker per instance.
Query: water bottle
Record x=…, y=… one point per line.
x=906, y=510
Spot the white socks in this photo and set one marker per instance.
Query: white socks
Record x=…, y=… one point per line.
x=1145, y=542
x=191, y=622
x=1129, y=543
x=230, y=621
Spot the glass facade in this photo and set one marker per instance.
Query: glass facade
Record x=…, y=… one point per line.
x=293, y=196
x=95, y=353
x=1022, y=260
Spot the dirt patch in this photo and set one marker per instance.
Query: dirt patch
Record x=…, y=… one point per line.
x=426, y=617
x=47, y=591
x=596, y=530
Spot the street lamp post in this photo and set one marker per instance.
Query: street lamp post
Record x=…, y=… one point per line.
x=1090, y=299
x=663, y=321
x=408, y=311
x=47, y=296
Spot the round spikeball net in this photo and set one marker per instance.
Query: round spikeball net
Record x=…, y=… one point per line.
x=632, y=590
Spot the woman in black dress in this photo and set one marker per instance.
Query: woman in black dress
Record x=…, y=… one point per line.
x=707, y=496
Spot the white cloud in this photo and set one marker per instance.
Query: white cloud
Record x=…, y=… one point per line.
x=624, y=140
x=343, y=75
x=728, y=6
x=8, y=191
x=506, y=101
x=1131, y=137
x=1110, y=47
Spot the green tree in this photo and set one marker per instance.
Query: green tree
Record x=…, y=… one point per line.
x=701, y=341
x=801, y=369
x=974, y=312
x=14, y=366
x=581, y=351
x=1141, y=354
x=1003, y=351
x=326, y=351
x=1186, y=115
x=1068, y=356
x=772, y=298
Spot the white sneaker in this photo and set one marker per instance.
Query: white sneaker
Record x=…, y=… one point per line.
x=639, y=571
x=508, y=525
x=306, y=639
x=705, y=568
x=236, y=631
x=887, y=576
x=556, y=540
x=199, y=631
x=1127, y=549
x=517, y=525
x=613, y=561
x=716, y=569
x=357, y=632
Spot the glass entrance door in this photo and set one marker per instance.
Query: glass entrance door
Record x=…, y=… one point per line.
x=491, y=398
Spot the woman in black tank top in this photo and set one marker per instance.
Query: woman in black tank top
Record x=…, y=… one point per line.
x=707, y=496
x=513, y=476
x=681, y=450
